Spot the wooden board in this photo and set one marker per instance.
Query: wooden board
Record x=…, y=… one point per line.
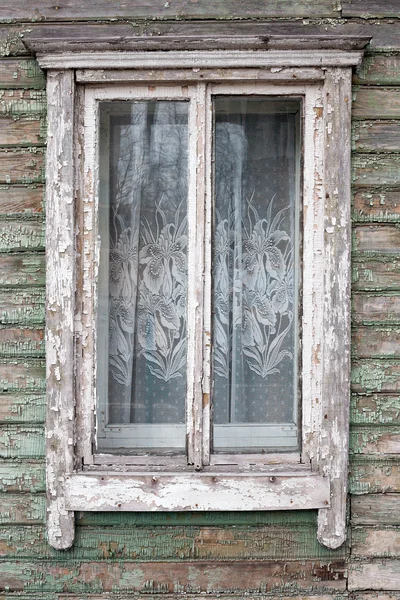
x=21, y=73
x=375, y=542
x=240, y=577
x=22, y=476
x=22, y=269
x=380, y=575
x=376, y=239
x=367, y=475
x=376, y=103
x=22, y=132
x=375, y=509
x=376, y=273
x=372, y=376
x=19, y=103
x=375, y=408
x=22, y=306
x=21, y=341
x=378, y=69
x=22, y=408
x=376, y=342
x=376, y=205
x=18, y=10
x=375, y=440
x=370, y=308
x=376, y=136
x=21, y=166
x=26, y=374
x=368, y=9
x=22, y=509
x=22, y=441
x=378, y=170
x=17, y=235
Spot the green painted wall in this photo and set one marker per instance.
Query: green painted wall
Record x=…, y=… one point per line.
x=189, y=554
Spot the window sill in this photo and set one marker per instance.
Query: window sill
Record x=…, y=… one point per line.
x=212, y=489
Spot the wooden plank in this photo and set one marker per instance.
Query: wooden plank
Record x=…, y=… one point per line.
x=26, y=375
x=373, y=169
x=380, y=273
x=22, y=132
x=21, y=166
x=368, y=9
x=376, y=238
x=375, y=439
x=17, y=199
x=22, y=306
x=17, y=235
x=44, y=10
x=372, y=376
x=22, y=476
x=375, y=307
x=22, y=269
x=21, y=441
x=376, y=103
x=380, y=575
x=187, y=543
x=375, y=509
x=376, y=136
x=22, y=408
x=376, y=342
x=239, y=577
x=19, y=103
x=376, y=205
x=10, y=42
x=367, y=475
x=375, y=408
x=21, y=73
x=17, y=341
x=22, y=509
x=375, y=542
x=60, y=309
x=378, y=69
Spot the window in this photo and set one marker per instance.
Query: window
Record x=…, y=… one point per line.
x=198, y=225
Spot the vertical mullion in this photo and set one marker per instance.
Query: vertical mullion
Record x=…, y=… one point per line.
x=196, y=231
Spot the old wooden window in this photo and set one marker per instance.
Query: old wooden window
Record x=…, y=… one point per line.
x=198, y=225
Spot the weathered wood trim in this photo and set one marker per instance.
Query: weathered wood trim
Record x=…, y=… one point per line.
x=197, y=491
x=207, y=58
x=333, y=439
x=60, y=305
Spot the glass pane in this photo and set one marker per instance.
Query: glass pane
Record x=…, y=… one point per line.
x=142, y=298
x=255, y=272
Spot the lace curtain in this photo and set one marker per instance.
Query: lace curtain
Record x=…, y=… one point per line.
x=253, y=263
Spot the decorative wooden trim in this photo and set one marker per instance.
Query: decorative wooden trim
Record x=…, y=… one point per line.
x=196, y=491
x=205, y=59
x=60, y=305
x=335, y=397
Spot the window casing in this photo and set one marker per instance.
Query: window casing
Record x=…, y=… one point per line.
x=78, y=477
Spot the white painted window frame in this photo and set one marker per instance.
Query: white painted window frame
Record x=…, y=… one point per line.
x=77, y=479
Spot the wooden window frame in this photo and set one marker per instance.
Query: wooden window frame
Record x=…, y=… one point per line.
x=77, y=480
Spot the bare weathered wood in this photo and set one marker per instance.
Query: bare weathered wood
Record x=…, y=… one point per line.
x=376, y=238
x=194, y=491
x=371, y=308
x=375, y=440
x=370, y=376
x=22, y=509
x=376, y=342
x=22, y=132
x=235, y=577
x=375, y=509
x=22, y=408
x=379, y=69
x=26, y=375
x=21, y=235
x=22, y=441
x=22, y=269
x=21, y=165
x=20, y=73
x=375, y=408
x=380, y=273
x=379, y=170
x=60, y=304
x=11, y=42
x=368, y=9
x=380, y=575
x=17, y=199
x=22, y=476
x=375, y=542
x=376, y=205
x=18, y=103
x=376, y=103
x=376, y=136
x=21, y=341
x=45, y=10
x=370, y=476
x=333, y=441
